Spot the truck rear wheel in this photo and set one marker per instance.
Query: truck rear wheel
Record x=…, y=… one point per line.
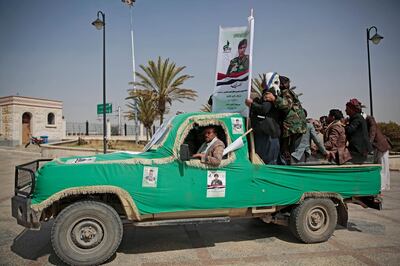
x=314, y=220
x=86, y=233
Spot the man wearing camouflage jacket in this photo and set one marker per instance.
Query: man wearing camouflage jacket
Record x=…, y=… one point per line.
x=293, y=119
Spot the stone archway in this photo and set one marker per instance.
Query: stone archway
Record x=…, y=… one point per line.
x=26, y=127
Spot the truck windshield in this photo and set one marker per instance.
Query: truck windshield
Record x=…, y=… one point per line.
x=160, y=134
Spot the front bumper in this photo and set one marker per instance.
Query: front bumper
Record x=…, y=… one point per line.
x=21, y=210
x=24, y=187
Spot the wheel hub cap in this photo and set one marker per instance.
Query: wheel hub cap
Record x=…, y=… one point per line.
x=87, y=234
x=316, y=219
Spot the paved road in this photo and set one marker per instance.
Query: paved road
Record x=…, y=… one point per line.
x=373, y=237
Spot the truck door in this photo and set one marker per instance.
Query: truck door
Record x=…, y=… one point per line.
x=214, y=187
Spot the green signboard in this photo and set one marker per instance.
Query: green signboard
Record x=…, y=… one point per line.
x=108, y=108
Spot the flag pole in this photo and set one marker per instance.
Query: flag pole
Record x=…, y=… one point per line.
x=251, y=26
x=247, y=132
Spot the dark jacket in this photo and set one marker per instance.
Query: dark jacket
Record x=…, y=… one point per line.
x=376, y=137
x=357, y=135
x=264, y=118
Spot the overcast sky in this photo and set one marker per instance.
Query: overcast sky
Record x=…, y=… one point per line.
x=49, y=49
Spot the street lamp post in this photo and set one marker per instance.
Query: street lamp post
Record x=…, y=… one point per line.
x=375, y=40
x=101, y=24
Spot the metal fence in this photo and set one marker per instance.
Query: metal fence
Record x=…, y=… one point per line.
x=88, y=128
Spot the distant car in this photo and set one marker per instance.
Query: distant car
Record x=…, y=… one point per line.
x=89, y=197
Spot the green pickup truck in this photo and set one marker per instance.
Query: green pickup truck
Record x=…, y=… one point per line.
x=90, y=197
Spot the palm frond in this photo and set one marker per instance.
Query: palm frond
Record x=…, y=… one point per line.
x=164, y=79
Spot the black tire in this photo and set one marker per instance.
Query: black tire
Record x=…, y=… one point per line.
x=314, y=220
x=86, y=233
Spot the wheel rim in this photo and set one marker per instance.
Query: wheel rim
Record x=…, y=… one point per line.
x=317, y=220
x=87, y=234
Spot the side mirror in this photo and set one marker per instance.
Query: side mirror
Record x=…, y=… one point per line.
x=184, y=153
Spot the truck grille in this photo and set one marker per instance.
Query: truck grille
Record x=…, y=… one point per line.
x=25, y=177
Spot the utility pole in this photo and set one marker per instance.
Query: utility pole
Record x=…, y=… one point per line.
x=119, y=121
x=130, y=4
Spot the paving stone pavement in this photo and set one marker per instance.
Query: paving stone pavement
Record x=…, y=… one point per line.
x=372, y=238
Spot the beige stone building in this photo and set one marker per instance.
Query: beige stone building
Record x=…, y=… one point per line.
x=21, y=117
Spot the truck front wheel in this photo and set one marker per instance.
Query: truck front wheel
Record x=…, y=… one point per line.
x=314, y=220
x=86, y=233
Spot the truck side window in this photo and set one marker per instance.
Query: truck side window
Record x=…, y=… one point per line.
x=195, y=137
x=194, y=140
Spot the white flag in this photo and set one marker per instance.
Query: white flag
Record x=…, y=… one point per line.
x=237, y=144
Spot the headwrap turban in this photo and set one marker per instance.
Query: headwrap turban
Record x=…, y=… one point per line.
x=355, y=105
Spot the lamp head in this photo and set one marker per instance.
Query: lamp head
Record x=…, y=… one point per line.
x=376, y=38
x=98, y=23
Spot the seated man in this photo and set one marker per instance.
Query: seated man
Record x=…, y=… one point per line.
x=210, y=152
x=302, y=152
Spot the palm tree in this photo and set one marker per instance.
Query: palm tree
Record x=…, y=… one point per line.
x=146, y=108
x=163, y=78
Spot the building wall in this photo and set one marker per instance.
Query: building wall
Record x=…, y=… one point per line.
x=39, y=126
x=13, y=107
x=7, y=126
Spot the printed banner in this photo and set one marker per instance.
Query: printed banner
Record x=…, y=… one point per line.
x=233, y=77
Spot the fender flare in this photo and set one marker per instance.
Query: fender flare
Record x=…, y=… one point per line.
x=341, y=207
x=128, y=204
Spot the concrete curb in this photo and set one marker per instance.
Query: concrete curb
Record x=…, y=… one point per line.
x=394, y=162
x=24, y=152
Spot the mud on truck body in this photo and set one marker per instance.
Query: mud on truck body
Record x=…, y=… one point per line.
x=90, y=198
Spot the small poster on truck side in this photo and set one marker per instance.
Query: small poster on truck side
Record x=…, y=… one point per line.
x=150, y=176
x=237, y=125
x=216, y=181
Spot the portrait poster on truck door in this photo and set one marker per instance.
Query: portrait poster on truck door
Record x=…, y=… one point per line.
x=216, y=182
x=233, y=73
x=150, y=176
